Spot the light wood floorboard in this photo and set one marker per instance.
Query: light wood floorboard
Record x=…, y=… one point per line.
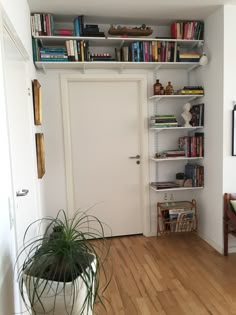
x=170, y=275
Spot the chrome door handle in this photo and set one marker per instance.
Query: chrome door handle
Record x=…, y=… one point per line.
x=135, y=157
x=22, y=192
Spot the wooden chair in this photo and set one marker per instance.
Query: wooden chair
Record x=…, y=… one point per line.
x=229, y=220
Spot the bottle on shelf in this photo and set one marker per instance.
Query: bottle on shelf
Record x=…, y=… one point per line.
x=162, y=91
x=157, y=88
x=169, y=89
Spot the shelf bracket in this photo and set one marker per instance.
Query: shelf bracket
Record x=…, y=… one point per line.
x=44, y=69
x=121, y=44
x=192, y=68
x=157, y=68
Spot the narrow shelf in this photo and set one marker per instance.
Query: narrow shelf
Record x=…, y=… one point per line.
x=176, y=188
x=60, y=40
x=113, y=40
x=175, y=128
x=114, y=65
x=189, y=97
x=175, y=159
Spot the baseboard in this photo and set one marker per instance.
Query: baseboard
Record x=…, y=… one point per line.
x=218, y=248
x=150, y=234
x=231, y=250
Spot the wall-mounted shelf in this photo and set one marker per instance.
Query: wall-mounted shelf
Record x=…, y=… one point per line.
x=188, y=97
x=176, y=189
x=175, y=159
x=114, y=65
x=114, y=40
x=156, y=129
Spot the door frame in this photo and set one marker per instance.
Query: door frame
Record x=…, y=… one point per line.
x=141, y=79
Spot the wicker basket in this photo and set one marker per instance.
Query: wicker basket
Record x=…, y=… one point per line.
x=124, y=31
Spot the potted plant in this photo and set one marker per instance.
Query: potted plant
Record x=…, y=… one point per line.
x=60, y=267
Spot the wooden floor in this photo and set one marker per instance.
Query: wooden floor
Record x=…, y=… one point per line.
x=177, y=275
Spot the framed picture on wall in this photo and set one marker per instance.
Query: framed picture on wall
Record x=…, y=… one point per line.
x=36, y=87
x=39, y=138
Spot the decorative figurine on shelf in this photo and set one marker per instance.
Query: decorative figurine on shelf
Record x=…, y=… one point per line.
x=169, y=89
x=186, y=114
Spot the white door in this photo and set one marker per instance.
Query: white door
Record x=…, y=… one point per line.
x=104, y=119
x=21, y=136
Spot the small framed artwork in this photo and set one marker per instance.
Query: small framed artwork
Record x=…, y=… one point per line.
x=36, y=87
x=39, y=138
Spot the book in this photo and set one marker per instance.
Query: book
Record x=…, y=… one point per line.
x=197, y=112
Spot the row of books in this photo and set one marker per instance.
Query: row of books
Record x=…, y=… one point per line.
x=162, y=121
x=192, y=146
x=195, y=173
x=77, y=50
x=73, y=51
x=155, y=51
x=42, y=24
x=187, y=30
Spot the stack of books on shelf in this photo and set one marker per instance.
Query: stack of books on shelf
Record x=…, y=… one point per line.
x=195, y=173
x=187, y=30
x=164, y=185
x=189, y=56
x=193, y=146
x=163, y=121
x=92, y=30
x=191, y=90
x=51, y=54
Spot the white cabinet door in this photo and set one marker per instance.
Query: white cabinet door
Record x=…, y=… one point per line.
x=104, y=119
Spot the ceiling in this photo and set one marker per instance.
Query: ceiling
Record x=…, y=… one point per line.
x=123, y=11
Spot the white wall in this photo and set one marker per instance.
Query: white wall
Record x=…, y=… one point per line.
x=19, y=15
x=210, y=200
x=229, y=162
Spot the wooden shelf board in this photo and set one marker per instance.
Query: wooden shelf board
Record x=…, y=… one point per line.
x=176, y=188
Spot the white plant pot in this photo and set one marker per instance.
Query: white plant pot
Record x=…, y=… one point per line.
x=61, y=303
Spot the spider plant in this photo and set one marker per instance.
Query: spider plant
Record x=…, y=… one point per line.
x=63, y=265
